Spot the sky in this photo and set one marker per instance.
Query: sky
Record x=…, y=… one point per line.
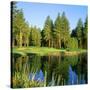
x=36, y=13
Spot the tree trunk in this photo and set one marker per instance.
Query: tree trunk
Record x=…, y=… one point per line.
x=27, y=43
x=20, y=39
x=52, y=43
x=59, y=44
x=49, y=43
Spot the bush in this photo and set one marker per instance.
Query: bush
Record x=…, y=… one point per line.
x=72, y=43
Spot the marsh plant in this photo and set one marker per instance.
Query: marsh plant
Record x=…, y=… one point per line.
x=34, y=70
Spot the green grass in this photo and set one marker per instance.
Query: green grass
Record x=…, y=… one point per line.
x=42, y=50
x=37, y=50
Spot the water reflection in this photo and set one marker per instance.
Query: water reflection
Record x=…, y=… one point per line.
x=51, y=70
x=38, y=76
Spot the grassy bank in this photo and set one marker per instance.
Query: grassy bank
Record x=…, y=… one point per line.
x=45, y=50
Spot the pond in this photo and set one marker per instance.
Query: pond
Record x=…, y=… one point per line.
x=33, y=70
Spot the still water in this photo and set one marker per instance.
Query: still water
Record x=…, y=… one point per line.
x=53, y=70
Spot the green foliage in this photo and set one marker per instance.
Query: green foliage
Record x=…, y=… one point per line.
x=79, y=29
x=47, y=32
x=65, y=31
x=85, y=33
x=57, y=32
x=52, y=36
x=79, y=32
x=35, y=37
x=61, y=31
x=22, y=68
x=55, y=35
x=22, y=81
x=73, y=33
x=73, y=43
x=86, y=28
x=20, y=28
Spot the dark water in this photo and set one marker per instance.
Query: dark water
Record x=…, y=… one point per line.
x=54, y=70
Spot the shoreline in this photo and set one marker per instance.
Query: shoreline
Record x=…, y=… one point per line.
x=46, y=51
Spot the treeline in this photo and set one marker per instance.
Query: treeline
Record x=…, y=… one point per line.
x=54, y=34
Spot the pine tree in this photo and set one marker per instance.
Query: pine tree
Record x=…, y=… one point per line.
x=57, y=32
x=14, y=29
x=79, y=30
x=65, y=30
x=85, y=33
x=73, y=33
x=47, y=32
x=25, y=34
x=20, y=27
x=35, y=37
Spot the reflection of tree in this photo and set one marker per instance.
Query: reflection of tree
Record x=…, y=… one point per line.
x=35, y=63
x=62, y=70
x=50, y=63
x=20, y=71
x=81, y=68
x=22, y=67
x=21, y=64
x=54, y=68
x=57, y=67
x=72, y=60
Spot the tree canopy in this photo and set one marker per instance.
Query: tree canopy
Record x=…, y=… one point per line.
x=54, y=34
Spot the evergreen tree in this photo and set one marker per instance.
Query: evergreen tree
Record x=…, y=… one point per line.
x=65, y=30
x=35, y=37
x=57, y=32
x=61, y=31
x=85, y=33
x=13, y=16
x=25, y=34
x=79, y=30
x=20, y=27
x=47, y=32
x=73, y=33
x=57, y=35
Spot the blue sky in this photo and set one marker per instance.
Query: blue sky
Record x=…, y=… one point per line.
x=36, y=13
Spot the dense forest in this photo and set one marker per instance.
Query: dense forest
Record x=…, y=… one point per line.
x=56, y=34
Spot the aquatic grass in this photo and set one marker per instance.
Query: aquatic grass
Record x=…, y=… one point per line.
x=45, y=79
x=22, y=81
